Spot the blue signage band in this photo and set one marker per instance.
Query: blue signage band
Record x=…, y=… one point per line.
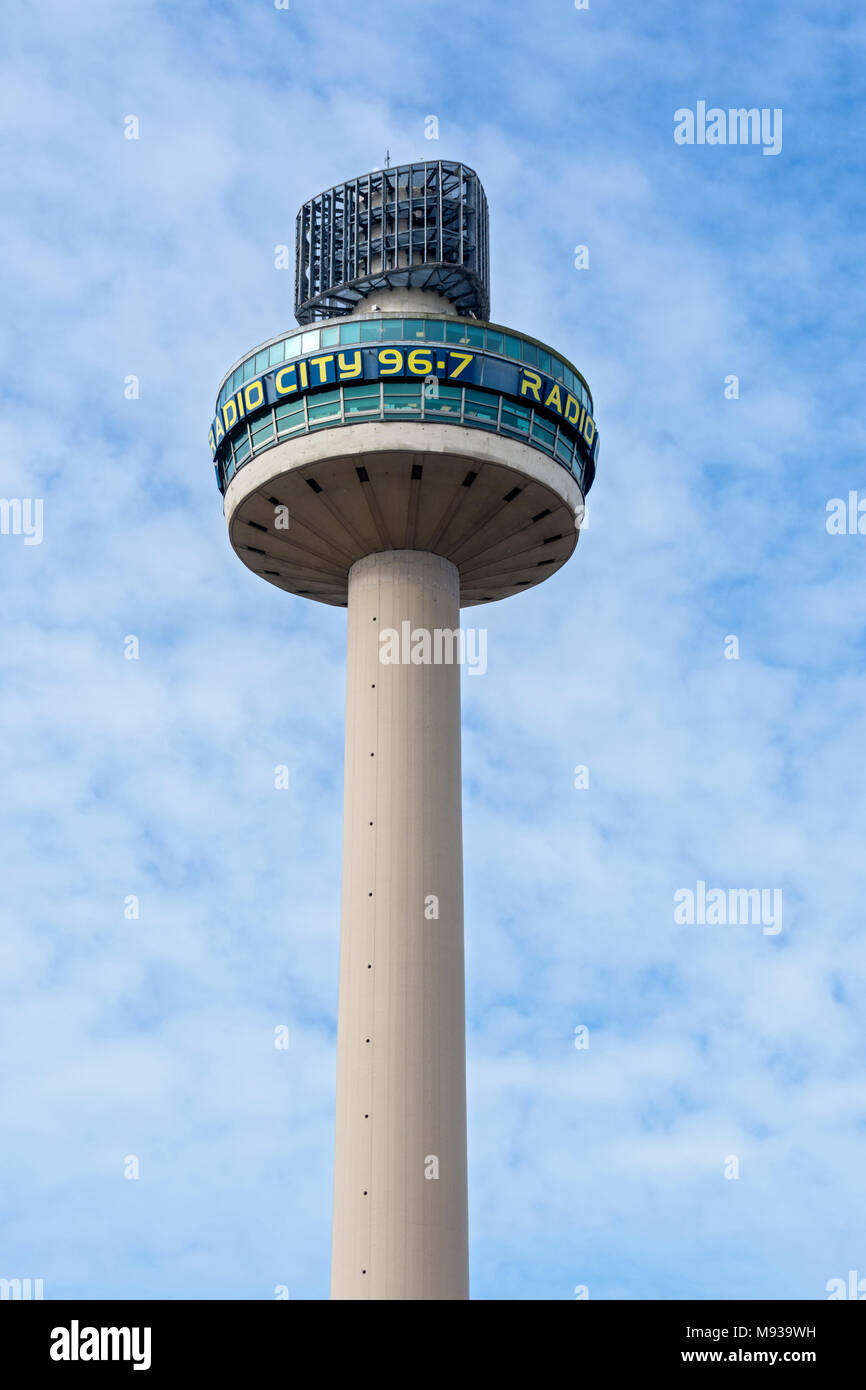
x=405, y=362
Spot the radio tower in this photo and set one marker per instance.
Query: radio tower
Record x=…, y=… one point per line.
x=401, y=456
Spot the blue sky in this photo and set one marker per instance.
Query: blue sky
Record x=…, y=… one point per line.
x=603, y=1167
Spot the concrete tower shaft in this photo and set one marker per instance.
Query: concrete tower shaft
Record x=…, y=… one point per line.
x=400, y=1199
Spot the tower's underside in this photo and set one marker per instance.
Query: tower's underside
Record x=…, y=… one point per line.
x=500, y=511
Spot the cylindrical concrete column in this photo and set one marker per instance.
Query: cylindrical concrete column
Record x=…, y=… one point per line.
x=400, y=1203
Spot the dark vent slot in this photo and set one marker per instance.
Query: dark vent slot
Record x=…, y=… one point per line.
x=417, y=470
x=311, y=482
x=547, y=562
x=469, y=479
x=255, y=550
x=363, y=475
x=276, y=573
x=539, y=515
x=275, y=501
x=557, y=537
x=510, y=496
x=258, y=527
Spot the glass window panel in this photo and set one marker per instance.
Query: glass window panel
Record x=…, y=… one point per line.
x=292, y=347
x=263, y=429
x=512, y=346
x=435, y=331
x=276, y=354
x=448, y=402
x=402, y=397
x=515, y=417
x=262, y=361
x=544, y=361
x=474, y=335
x=361, y=400
x=366, y=388
x=481, y=407
x=290, y=417
x=249, y=369
x=350, y=333
x=230, y=468
x=529, y=353
x=456, y=333
x=310, y=341
x=413, y=328
x=237, y=378
x=241, y=449
x=543, y=433
x=392, y=329
x=563, y=448
x=494, y=341
x=370, y=330
x=324, y=407
x=331, y=336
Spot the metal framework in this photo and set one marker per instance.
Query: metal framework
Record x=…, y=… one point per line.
x=422, y=225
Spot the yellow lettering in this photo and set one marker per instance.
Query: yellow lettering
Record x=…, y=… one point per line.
x=465, y=359
x=571, y=404
x=230, y=406
x=347, y=367
x=589, y=426
x=212, y=442
x=322, y=364
x=304, y=375
x=390, y=362
x=249, y=402
x=530, y=384
x=279, y=386
x=219, y=432
x=554, y=400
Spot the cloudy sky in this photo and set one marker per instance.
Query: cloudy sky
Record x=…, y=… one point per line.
x=602, y=1167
